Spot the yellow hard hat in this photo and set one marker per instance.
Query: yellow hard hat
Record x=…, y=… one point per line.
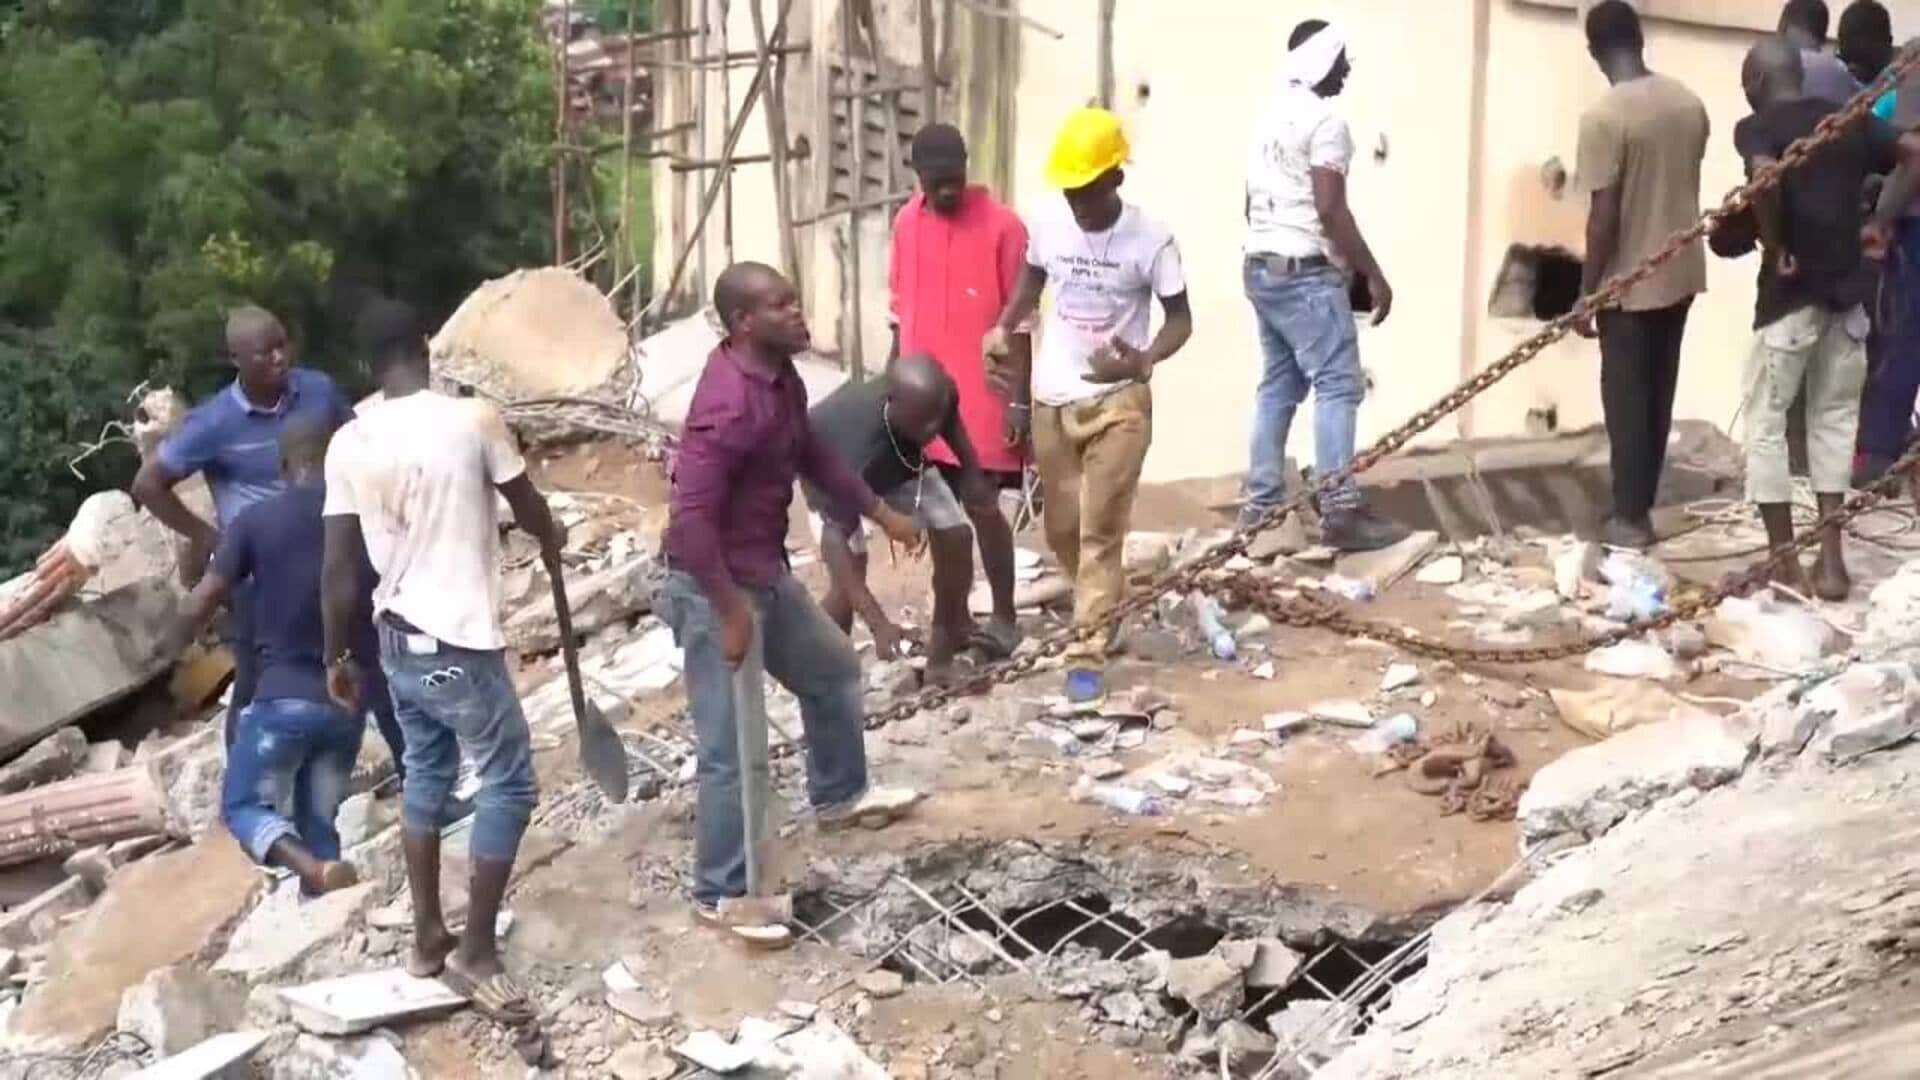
x=1090, y=142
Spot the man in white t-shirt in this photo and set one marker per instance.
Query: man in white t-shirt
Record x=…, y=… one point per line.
x=1300, y=233
x=1092, y=410
x=411, y=484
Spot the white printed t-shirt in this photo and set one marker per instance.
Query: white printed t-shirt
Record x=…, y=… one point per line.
x=1103, y=285
x=1297, y=133
x=419, y=472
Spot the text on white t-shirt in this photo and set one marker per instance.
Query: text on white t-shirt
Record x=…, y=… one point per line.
x=1103, y=285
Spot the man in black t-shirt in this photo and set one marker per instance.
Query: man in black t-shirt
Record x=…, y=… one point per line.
x=1810, y=314
x=880, y=427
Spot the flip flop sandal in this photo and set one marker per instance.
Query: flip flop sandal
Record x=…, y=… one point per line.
x=498, y=998
x=993, y=646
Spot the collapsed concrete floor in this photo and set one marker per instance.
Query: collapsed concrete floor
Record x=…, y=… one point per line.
x=1008, y=928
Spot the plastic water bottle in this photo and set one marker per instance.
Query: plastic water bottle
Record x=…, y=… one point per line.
x=1119, y=797
x=1218, y=636
x=1633, y=593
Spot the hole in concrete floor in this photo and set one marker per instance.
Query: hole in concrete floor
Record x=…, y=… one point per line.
x=1536, y=282
x=1329, y=975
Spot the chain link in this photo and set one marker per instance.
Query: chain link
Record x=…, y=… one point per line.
x=1195, y=572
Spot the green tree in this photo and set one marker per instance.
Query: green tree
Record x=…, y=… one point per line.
x=163, y=160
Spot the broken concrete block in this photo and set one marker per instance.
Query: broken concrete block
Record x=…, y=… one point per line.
x=1239, y=1042
x=1864, y=708
x=367, y=1058
x=1384, y=568
x=91, y=865
x=1614, y=707
x=106, y=757
x=641, y=1008
x=1634, y=658
x=176, y=1007
x=55, y=757
x=89, y=655
x=1590, y=789
x=362, y=1002
x=36, y=921
x=190, y=771
x=1274, y=965
x=1781, y=639
x=819, y=1051
x=58, y=818
x=222, y=1057
x=1213, y=983
x=1445, y=570
x=533, y=333
x=711, y=1051
x=148, y=918
x=283, y=930
x=599, y=600
x=881, y=983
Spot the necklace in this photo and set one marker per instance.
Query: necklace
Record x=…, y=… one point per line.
x=919, y=469
x=1086, y=239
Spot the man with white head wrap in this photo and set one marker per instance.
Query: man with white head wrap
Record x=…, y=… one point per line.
x=1300, y=235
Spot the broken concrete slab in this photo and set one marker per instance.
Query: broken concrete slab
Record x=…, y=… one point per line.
x=1607, y=710
x=179, y=1006
x=1864, y=708
x=222, y=1057
x=87, y=656
x=1384, y=568
x=881, y=983
x=190, y=770
x=36, y=921
x=55, y=757
x=596, y=601
x=532, y=334
x=106, y=757
x=145, y=920
x=361, y=1002
x=1780, y=639
x=642, y=1061
x=1445, y=570
x=1214, y=982
x=284, y=929
x=1590, y=789
x=671, y=362
x=641, y=1008
x=368, y=1058
x=1274, y=965
x=819, y=1051
x=60, y=818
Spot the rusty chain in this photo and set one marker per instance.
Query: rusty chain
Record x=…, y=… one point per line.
x=1192, y=573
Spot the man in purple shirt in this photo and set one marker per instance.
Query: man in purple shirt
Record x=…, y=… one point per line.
x=746, y=441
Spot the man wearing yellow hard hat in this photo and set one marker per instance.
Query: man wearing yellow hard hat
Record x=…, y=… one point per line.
x=1092, y=410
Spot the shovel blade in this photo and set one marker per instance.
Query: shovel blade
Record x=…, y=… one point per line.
x=602, y=754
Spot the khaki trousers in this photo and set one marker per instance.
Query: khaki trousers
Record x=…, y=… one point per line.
x=1823, y=353
x=1089, y=454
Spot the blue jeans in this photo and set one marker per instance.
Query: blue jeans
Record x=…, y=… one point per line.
x=445, y=698
x=1886, y=410
x=287, y=772
x=808, y=655
x=1308, y=338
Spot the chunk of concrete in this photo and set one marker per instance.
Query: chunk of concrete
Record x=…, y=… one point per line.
x=819, y=1051
x=533, y=333
x=1864, y=708
x=1613, y=707
x=191, y=770
x=222, y=1057
x=89, y=655
x=1213, y=983
x=55, y=757
x=881, y=983
x=367, y=1058
x=354, y=1003
x=177, y=1007
x=1385, y=568
x=155, y=912
x=642, y=1061
x=1445, y=570
x=641, y=1008
x=596, y=601
x=1635, y=658
x=1590, y=789
x=1781, y=639
x=106, y=756
x=1274, y=965
x=36, y=921
x=284, y=929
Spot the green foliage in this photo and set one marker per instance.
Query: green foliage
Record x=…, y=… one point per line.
x=164, y=160
x=611, y=15
x=54, y=403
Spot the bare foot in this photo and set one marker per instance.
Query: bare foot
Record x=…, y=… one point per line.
x=430, y=954
x=1830, y=579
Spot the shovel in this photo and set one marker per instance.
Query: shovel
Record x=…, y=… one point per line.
x=761, y=906
x=602, y=753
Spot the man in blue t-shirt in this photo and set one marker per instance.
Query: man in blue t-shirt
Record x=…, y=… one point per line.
x=293, y=749
x=233, y=439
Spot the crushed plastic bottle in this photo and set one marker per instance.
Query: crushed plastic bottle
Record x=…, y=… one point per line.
x=1127, y=800
x=1633, y=592
x=1357, y=589
x=1213, y=625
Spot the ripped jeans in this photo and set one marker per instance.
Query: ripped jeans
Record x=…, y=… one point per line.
x=287, y=772
x=448, y=698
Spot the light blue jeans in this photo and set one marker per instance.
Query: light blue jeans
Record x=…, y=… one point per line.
x=808, y=655
x=446, y=698
x=287, y=773
x=1308, y=338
